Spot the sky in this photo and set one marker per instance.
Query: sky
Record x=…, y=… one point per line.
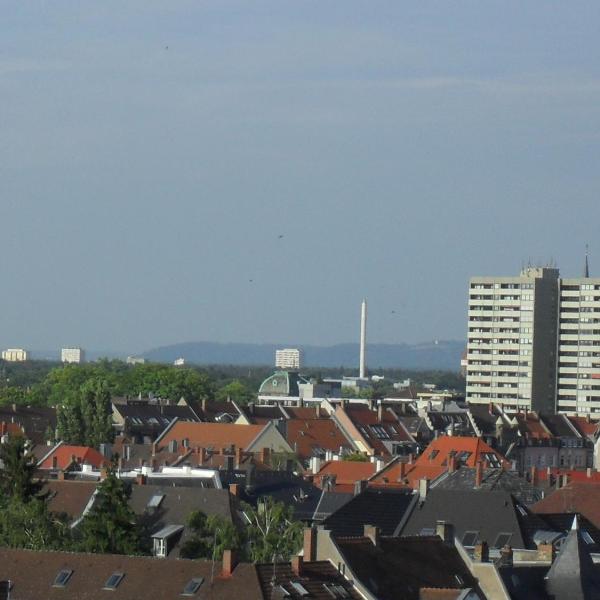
x=238, y=171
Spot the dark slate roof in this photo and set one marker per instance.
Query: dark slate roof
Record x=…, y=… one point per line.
x=383, y=507
x=488, y=513
x=559, y=426
x=313, y=578
x=492, y=480
x=562, y=523
x=525, y=582
x=573, y=575
x=457, y=422
x=176, y=506
x=400, y=567
x=329, y=503
x=33, y=419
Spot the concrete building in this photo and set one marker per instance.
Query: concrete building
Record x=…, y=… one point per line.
x=511, y=348
x=72, y=355
x=534, y=341
x=15, y=355
x=288, y=358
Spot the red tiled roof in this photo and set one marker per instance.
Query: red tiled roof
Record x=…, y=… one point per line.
x=215, y=435
x=306, y=435
x=585, y=427
x=346, y=472
x=578, y=497
x=65, y=455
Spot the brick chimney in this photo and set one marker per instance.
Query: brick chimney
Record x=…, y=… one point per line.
x=371, y=532
x=545, y=552
x=481, y=552
x=55, y=462
x=229, y=563
x=478, y=474
x=140, y=479
x=310, y=544
x=451, y=464
x=239, y=456
x=402, y=474
x=534, y=476
x=234, y=489
x=297, y=565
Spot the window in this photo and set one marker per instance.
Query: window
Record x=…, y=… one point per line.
x=192, y=586
x=502, y=540
x=298, y=587
x=336, y=591
x=62, y=578
x=113, y=581
x=155, y=501
x=470, y=538
x=587, y=538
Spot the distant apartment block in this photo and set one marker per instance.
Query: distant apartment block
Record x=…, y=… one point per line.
x=135, y=360
x=72, y=355
x=288, y=358
x=534, y=342
x=15, y=355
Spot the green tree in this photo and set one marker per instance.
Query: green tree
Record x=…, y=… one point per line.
x=96, y=412
x=271, y=531
x=110, y=525
x=211, y=536
x=17, y=476
x=236, y=391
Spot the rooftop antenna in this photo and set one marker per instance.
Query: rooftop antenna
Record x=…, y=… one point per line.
x=586, y=269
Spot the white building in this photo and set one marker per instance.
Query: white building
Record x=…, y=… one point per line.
x=534, y=342
x=288, y=358
x=135, y=360
x=179, y=362
x=15, y=355
x=72, y=355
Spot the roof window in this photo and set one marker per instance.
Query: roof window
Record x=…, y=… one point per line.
x=300, y=589
x=155, y=501
x=113, y=581
x=336, y=591
x=502, y=540
x=470, y=538
x=62, y=578
x=193, y=585
x=587, y=538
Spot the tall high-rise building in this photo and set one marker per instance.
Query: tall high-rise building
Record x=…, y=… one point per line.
x=72, y=355
x=288, y=358
x=534, y=341
x=15, y=355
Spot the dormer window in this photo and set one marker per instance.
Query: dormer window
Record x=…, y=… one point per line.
x=62, y=578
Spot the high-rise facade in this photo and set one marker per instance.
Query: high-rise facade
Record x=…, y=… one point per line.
x=288, y=358
x=534, y=342
x=578, y=386
x=72, y=355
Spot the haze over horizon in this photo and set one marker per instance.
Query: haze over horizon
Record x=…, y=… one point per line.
x=248, y=172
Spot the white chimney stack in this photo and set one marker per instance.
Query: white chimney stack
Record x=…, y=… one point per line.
x=363, y=340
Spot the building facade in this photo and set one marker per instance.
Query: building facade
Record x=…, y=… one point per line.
x=15, y=355
x=288, y=358
x=534, y=342
x=72, y=355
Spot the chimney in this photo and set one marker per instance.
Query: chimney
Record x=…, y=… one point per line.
x=379, y=412
x=60, y=475
x=297, y=564
x=317, y=411
x=565, y=479
x=310, y=544
x=140, y=479
x=506, y=556
x=545, y=552
x=588, y=472
x=481, y=552
x=423, y=488
x=203, y=404
x=478, y=474
x=315, y=464
x=103, y=473
x=451, y=463
x=239, y=456
x=411, y=458
x=55, y=462
x=229, y=563
x=445, y=531
x=534, y=476
x=229, y=461
x=371, y=532
x=234, y=489
x=360, y=486
x=402, y=474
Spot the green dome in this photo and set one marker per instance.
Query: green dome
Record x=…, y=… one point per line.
x=282, y=383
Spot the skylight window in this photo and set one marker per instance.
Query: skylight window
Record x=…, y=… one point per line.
x=300, y=589
x=587, y=538
x=62, y=578
x=113, y=581
x=336, y=591
x=502, y=540
x=192, y=586
x=470, y=538
x=155, y=501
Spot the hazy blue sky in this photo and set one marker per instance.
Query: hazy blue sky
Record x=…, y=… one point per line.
x=399, y=148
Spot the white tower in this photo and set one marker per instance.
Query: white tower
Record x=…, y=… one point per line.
x=363, y=340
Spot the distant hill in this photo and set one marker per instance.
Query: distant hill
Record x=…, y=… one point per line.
x=443, y=355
